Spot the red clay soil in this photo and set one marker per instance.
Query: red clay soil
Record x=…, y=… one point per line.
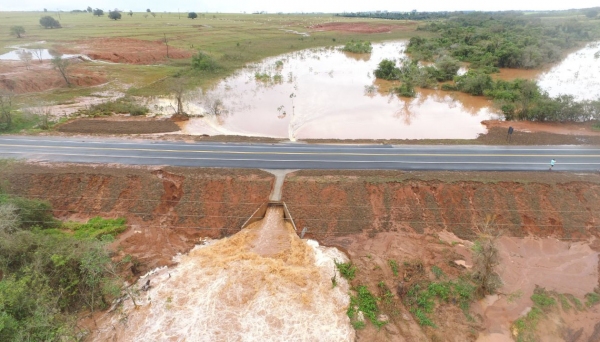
x=332, y=203
x=16, y=78
x=167, y=209
x=361, y=27
x=124, y=50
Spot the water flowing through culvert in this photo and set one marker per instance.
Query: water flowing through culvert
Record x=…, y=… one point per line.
x=261, y=284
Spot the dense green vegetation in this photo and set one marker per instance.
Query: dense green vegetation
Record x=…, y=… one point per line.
x=422, y=297
x=358, y=47
x=346, y=269
x=365, y=302
x=412, y=15
x=49, y=272
x=502, y=40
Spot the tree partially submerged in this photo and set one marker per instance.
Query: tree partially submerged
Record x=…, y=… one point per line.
x=62, y=64
x=17, y=31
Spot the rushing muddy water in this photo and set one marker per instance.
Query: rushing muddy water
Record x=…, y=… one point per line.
x=326, y=93
x=262, y=284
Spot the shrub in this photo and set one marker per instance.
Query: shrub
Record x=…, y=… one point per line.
x=358, y=47
x=406, y=89
x=204, y=62
x=192, y=15
x=347, y=269
x=114, y=15
x=49, y=22
x=387, y=70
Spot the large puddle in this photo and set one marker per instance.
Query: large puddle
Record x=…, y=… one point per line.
x=329, y=94
x=262, y=284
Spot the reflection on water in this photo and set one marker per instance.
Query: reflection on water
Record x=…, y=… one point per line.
x=326, y=93
x=577, y=75
x=36, y=54
x=262, y=284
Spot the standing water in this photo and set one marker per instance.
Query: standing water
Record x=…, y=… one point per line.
x=262, y=284
x=329, y=94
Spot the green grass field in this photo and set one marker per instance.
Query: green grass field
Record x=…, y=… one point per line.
x=232, y=39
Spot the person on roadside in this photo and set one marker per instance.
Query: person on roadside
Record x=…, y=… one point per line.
x=552, y=162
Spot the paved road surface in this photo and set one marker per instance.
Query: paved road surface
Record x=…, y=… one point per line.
x=300, y=156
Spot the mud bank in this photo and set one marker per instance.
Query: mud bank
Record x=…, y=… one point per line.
x=167, y=209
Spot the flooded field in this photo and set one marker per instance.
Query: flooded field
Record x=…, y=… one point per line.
x=326, y=93
x=330, y=94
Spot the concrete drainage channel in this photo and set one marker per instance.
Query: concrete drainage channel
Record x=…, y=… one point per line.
x=274, y=201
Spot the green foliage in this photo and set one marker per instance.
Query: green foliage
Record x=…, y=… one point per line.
x=524, y=327
x=97, y=228
x=32, y=213
x=437, y=272
x=49, y=22
x=421, y=298
x=17, y=31
x=501, y=40
x=387, y=70
x=49, y=278
x=591, y=299
x=543, y=300
x=114, y=15
x=406, y=89
x=98, y=12
x=192, y=15
x=346, y=269
x=358, y=47
x=123, y=105
x=596, y=126
x=447, y=68
x=204, y=62
x=575, y=301
x=365, y=302
x=474, y=82
x=394, y=266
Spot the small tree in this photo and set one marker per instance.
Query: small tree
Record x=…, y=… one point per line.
x=166, y=41
x=17, y=31
x=485, y=259
x=6, y=108
x=61, y=65
x=148, y=10
x=192, y=15
x=131, y=13
x=98, y=12
x=114, y=15
x=45, y=10
x=38, y=52
x=26, y=57
x=89, y=9
x=49, y=22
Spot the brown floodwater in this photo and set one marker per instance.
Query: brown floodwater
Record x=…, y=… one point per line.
x=327, y=93
x=330, y=94
x=262, y=284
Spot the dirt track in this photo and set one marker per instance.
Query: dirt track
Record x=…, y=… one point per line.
x=111, y=126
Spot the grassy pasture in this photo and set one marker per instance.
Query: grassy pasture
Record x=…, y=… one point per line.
x=232, y=39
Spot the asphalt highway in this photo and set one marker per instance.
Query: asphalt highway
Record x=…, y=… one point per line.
x=300, y=156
